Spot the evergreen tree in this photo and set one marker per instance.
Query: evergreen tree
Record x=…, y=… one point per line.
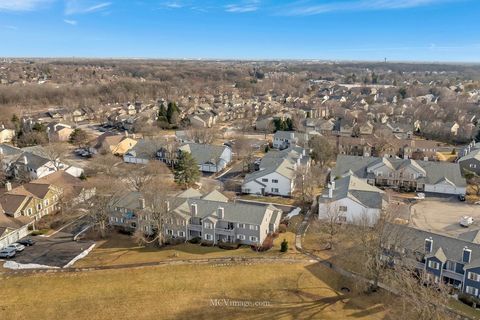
x=172, y=113
x=162, y=114
x=186, y=172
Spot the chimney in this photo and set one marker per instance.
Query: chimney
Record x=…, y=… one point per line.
x=221, y=212
x=141, y=202
x=126, y=133
x=1, y=151
x=25, y=161
x=330, y=189
x=194, y=209
x=8, y=186
x=167, y=205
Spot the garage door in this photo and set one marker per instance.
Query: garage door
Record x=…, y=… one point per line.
x=444, y=189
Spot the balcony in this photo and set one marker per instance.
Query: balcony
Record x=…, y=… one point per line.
x=226, y=232
x=452, y=275
x=195, y=227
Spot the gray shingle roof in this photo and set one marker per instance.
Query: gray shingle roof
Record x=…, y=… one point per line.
x=357, y=190
x=435, y=171
x=451, y=248
x=204, y=153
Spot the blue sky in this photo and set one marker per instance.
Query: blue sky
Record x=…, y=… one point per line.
x=400, y=30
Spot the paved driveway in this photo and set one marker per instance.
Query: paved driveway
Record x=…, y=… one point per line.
x=56, y=250
x=443, y=215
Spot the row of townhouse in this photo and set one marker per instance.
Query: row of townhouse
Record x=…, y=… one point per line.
x=22, y=206
x=191, y=215
x=454, y=261
x=406, y=174
x=276, y=172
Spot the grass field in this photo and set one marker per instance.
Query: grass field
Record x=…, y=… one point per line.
x=286, y=291
x=120, y=249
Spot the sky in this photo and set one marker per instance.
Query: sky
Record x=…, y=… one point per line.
x=364, y=30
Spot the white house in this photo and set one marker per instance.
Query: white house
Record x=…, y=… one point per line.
x=351, y=200
x=276, y=174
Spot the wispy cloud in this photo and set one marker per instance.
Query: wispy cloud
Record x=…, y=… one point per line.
x=81, y=7
x=245, y=6
x=22, y=5
x=173, y=5
x=70, y=22
x=9, y=27
x=311, y=8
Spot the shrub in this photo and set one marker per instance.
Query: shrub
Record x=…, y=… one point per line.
x=38, y=232
x=195, y=240
x=282, y=228
x=228, y=246
x=206, y=243
x=284, y=246
x=469, y=299
x=266, y=245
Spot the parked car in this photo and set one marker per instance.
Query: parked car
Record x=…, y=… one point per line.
x=26, y=242
x=461, y=197
x=420, y=196
x=7, y=253
x=466, y=221
x=16, y=246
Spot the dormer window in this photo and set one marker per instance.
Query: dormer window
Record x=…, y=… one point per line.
x=428, y=245
x=467, y=255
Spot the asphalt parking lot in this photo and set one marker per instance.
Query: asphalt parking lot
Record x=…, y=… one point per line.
x=443, y=215
x=56, y=250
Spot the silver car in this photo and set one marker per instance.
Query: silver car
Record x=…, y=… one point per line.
x=16, y=246
x=7, y=253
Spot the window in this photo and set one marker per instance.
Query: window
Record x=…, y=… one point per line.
x=264, y=180
x=428, y=245
x=170, y=232
x=39, y=206
x=241, y=225
x=474, y=276
x=342, y=219
x=472, y=290
x=467, y=253
x=208, y=236
x=181, y=233
x=433, y=265
x=275, y=190
x=183, y=223
x=145, y=228
x=274, y=181
x=46, y=202
x=253, y=227
x=240, y=237
x=450, y=265
x=343, y=209
x=29, y=211
x=253, y=239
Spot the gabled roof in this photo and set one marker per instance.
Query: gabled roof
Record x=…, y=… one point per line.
x=204, y=153
x=357, y=190
x=475, y=154
x=451, y=248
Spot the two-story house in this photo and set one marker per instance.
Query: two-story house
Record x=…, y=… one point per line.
x=406, y=174
x=191, y=215
x=210, y=158
x=276, y=173
x=454, y=261
x=351, y=200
